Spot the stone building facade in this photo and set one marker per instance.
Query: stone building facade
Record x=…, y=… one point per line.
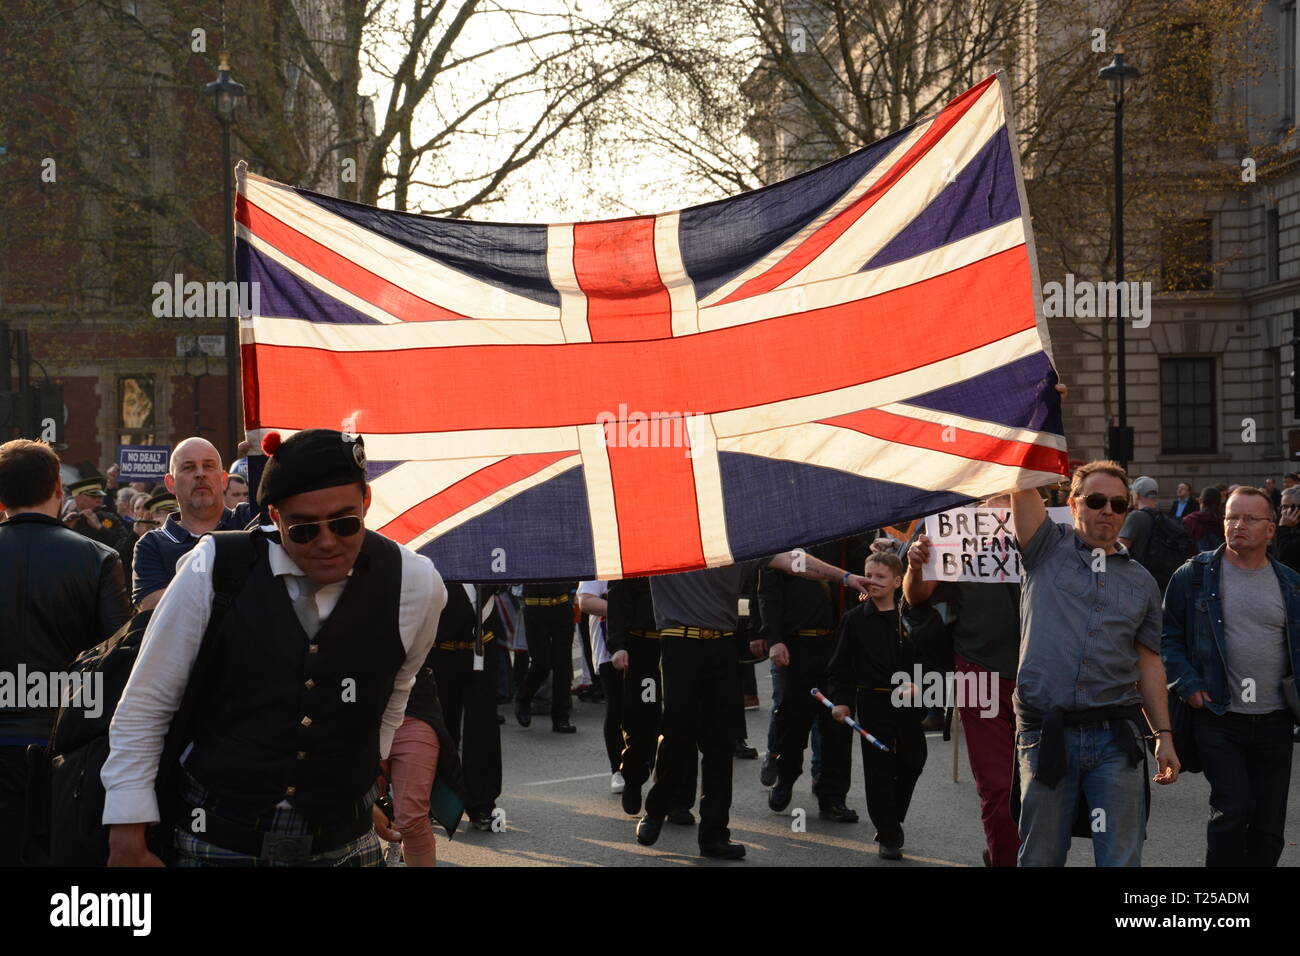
x=1210, y=381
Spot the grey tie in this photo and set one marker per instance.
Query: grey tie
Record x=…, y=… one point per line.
x=305, y=606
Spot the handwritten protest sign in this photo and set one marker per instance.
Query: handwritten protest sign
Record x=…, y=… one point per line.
x=977, y=544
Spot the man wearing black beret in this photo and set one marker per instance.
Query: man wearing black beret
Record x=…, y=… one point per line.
x=311, y=667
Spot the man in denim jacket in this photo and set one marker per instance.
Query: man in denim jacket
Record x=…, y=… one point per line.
x=1231, y=639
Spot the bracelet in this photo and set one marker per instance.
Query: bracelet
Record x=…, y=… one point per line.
x=844, y=582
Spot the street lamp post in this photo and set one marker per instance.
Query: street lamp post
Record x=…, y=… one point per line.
x=226, y=95
x=1118, y=74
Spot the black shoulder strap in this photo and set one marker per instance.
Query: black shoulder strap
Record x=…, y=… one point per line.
x=235, y=556
x=1198, y=578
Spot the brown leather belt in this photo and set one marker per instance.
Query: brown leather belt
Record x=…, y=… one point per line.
x=813, y=632
x=547, y=602
x=694, y=633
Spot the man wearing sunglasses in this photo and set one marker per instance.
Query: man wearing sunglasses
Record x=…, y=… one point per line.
x=1089, y=671
x=307, y=683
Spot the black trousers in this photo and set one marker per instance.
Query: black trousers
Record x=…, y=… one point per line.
x=13, y=803
x=642, y=713
x=890, y=777
x=550, y=651
x=469, y=706
x=701, y=688
x=1247, y=760
x=798, y=710
x=612, y=680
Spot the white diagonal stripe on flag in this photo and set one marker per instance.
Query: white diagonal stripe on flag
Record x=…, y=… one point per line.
x=893, y=388
x=486, y=504
x=419, y=274
x=910, y=195
x=402, y=488
x=880, y=460
x=992, y=429
x=859, y=286
x=869, y=179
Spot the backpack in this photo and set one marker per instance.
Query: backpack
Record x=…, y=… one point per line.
x=1167, y=546
x=66, y=795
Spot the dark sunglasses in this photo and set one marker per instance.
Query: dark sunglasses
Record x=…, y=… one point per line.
x=306, y=532
x=1096, y=501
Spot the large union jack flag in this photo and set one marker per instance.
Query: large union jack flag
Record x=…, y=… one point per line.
x=857, y=346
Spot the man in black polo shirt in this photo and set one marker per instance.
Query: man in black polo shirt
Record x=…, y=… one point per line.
x=697, y=614
x=195, y=477
x=309, y=679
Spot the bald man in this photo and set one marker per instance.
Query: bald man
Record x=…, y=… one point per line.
x=196, y=478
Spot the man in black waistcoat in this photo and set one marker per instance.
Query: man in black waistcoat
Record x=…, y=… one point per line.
x=469, y=695
x=306, y=680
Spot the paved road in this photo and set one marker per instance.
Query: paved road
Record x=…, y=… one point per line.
x=559, y=811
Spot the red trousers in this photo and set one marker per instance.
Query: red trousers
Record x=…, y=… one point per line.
x=991, y=748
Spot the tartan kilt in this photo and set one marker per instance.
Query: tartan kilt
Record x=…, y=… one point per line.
x=193, y=852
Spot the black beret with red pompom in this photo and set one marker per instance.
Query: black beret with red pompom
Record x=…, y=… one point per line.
x=309, y=461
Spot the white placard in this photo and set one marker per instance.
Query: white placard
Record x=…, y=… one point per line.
x=977, y=544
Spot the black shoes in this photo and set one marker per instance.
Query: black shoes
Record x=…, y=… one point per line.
x=767, y=772
x=888, y=852
x=631, y=799
x=480, y=821
x=647, y=830
x=723, y=851
x=563, y=727
x=778, y=798
x=838, y=813
x=744, y=751
x=681, y=818
x=523, y=714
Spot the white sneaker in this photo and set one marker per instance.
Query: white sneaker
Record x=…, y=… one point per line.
x=616, y=782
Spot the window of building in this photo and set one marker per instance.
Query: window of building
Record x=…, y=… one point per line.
x=1286, y=61
x=1186, y=255
x=1187, y=406
x=1184, y=82
x=1273, y=245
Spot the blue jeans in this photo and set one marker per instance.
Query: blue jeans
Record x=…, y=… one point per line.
x=778, y=694
x=1096, y=771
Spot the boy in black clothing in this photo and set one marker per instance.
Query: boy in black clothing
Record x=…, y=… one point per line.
x=869, y=651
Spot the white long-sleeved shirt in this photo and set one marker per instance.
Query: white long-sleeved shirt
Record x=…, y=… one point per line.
x=171, y=643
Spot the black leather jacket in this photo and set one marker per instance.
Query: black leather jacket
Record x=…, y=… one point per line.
x=60, y=593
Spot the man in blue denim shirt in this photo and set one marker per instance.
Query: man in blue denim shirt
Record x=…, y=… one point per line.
x=1089, y=667
x=1231, y=638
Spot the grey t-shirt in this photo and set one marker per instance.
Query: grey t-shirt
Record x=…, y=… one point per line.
x=1254, y=633
x=708, y=598
x=1137, y=531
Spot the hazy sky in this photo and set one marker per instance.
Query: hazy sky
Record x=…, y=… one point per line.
x=557, y=186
